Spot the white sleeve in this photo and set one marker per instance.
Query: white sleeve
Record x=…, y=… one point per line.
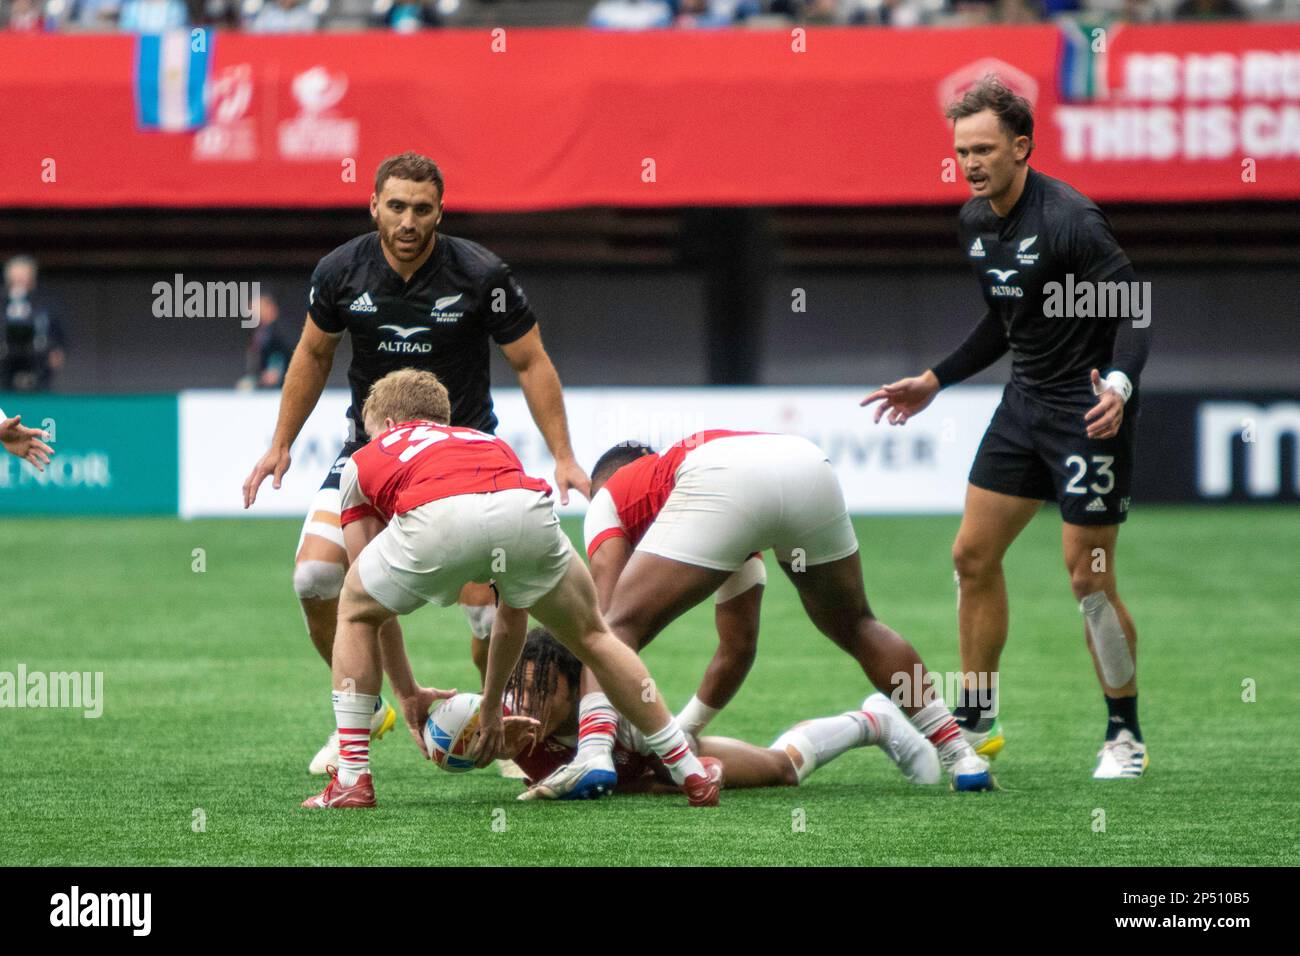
x=351, y=497
x=601, y=519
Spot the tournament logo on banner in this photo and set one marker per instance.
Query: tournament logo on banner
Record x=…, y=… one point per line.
x=171, y=78
x=231, y=134
x=316, y=133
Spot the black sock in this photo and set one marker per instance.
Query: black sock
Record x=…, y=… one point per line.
x=1123, y=715
x=969, y=712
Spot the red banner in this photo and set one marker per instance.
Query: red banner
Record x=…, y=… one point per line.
x=532, y=119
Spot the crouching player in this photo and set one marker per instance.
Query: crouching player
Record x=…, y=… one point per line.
x=616, y=521
x=714, y=499
x=427, y=508
x=544, y=687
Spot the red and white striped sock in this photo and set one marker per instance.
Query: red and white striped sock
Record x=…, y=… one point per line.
x=936, y=722
x=353, y=712
x=597, y=724
x=669, y=744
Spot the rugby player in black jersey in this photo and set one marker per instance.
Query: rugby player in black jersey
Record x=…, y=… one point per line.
x=1064, y=430
x=409, y=298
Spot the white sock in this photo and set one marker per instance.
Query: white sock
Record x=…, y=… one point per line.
x=937, y=724
x=816, y=743
x=352, y=713
x=669, y=744
x=695, y=716
x=597, y=725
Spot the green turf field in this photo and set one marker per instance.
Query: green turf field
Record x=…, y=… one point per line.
x=215, y=702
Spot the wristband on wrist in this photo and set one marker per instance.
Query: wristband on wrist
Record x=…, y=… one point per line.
x=1119, y=382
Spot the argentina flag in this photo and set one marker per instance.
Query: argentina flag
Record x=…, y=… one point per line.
x=171, y=78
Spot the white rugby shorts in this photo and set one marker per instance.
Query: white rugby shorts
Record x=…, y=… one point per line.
x=427, y=555
x=746, y=493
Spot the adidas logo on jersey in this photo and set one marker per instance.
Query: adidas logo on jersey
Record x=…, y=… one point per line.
x=362, y=303
x=1096, y=504
x=977, y=249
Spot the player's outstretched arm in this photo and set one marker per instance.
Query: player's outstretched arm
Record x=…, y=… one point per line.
x=910, y=396
x=25, y=443
x=303, y=383
x=545, y=397
x=607, y=563
x=509, y=630
x=902, y=399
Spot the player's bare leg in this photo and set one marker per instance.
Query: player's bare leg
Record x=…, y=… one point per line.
x=652, y=592
x=318, y=572
x=736, y=621
x=1112, y=641
x=357, y=678
x=836, y=603
x=989, y=524
x=570, y=613
x=318, y=576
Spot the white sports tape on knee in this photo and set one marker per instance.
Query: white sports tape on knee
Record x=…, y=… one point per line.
x=480, y=617
x=750, y=574
x=795, y=744
x=1108, y=639
x=322, y=580
x=323, y=518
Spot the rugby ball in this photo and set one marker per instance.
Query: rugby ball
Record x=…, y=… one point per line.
x=449, y=732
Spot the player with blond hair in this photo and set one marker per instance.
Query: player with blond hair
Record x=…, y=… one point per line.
x=427, y=508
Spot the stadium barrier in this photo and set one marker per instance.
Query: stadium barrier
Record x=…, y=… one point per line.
x=188, y=454
x=538, y=119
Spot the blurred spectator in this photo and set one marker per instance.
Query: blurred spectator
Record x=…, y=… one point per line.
x=714, y=13
x=631, y=15
x=271, y=349
x=24, y=15
x=284, y=16
x=407, y=16
x=152, y=16
x=96, y=14
x=31, y=339
x=1209, y=10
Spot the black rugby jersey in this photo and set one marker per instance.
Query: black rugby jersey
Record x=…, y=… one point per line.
x=1053, y=234
x=441, y=320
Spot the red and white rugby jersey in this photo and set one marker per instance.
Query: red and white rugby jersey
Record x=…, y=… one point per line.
x=417, y=462
x=629, y=502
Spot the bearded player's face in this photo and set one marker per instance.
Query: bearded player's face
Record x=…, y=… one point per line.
x=406, y=214
x=988, y=154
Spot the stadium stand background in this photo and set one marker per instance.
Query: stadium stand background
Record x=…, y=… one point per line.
x=675, y=297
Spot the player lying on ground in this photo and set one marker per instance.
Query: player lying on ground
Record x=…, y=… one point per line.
x=544, y=687
x=428, y=508
x=407, y=297
x=617, y=511
x=1063, y=432
x=23, y=442
x=714, y=499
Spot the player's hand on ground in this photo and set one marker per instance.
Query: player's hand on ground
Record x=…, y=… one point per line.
x=25, y=443
x=569, y=475
x=274, y=464
x=902, y=399
x=415, y=710
x=1104, y=418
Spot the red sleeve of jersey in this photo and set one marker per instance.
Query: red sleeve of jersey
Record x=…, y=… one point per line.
x=601, y=538
x=350, y=515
